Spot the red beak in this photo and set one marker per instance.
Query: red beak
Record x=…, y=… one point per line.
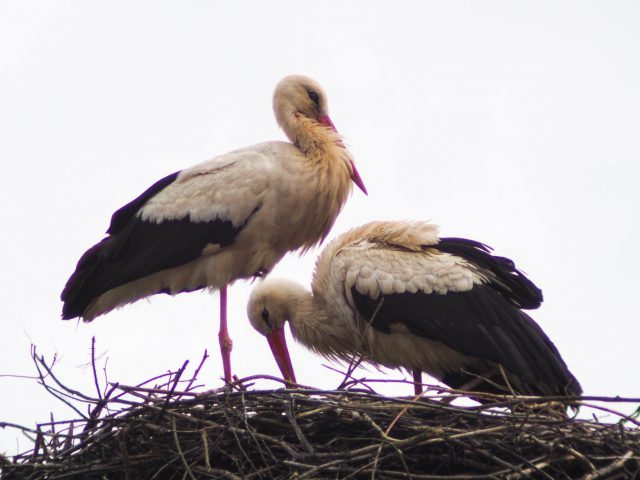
x=280, y=352
x=355, y=176
x=325, y=120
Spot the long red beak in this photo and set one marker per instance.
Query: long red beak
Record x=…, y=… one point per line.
x=355, y=176
x=278, y=345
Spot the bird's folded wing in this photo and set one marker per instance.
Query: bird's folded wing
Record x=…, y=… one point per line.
x=229, y=187
x=175, y=221
x=445, y=298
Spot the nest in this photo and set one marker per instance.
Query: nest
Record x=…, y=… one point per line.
x=166, y=429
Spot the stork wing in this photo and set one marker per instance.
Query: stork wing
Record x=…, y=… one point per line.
x=170, y=224
x=452, y=300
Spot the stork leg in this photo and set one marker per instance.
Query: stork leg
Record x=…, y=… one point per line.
x=417, y=382
x=226, y=344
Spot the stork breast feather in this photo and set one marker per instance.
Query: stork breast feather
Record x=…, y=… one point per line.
x=377, y=271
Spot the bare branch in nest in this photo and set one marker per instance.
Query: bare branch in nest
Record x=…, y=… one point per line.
x=165, y=428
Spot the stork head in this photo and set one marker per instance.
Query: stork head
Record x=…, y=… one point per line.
x=298, y=96
x=271, y=304
x=300, y=102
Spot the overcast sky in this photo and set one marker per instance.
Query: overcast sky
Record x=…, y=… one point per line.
x=513, y=123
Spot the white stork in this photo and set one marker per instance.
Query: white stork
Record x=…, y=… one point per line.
x=397, y=294
x=232, y=217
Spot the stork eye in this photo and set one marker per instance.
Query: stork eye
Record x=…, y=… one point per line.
x=265, y=317
x=314, y=97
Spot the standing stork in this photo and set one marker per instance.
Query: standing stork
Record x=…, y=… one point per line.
x=397, y=294
x=232, y=217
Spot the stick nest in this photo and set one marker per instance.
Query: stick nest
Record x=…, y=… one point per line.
x=170, y=431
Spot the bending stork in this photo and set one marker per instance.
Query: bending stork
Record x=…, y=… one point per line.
x=397, y=294
x=232, y=217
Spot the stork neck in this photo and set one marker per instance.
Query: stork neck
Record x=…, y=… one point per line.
x=322, y=181
x=313, y=138
x=303, y=312
x=312, y=325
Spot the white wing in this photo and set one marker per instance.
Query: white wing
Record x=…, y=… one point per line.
x=228, y=187
x=374, y=269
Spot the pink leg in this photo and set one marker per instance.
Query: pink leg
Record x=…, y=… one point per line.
x=417, y=382
x=226, y=344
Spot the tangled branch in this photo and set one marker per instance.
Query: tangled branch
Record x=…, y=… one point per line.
x=165, y=428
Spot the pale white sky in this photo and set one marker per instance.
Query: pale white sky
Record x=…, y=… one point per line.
x=512, y=123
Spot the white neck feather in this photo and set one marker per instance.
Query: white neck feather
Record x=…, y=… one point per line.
x=313, y=326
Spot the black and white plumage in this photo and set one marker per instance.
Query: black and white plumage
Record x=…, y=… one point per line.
x=232, y=217
x=403, y=297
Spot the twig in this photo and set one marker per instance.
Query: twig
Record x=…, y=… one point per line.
x=177, y=444
x=197, y=371
x=174, y=384
x=603, y=472
x=344, y=384
x=93, y=367
x=205, y=449
x=126, y=465
x=288, y=408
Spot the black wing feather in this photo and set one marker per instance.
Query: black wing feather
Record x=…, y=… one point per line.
x=138, y=249
x=478, y=323
x=508, y=280
x=123, y=215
